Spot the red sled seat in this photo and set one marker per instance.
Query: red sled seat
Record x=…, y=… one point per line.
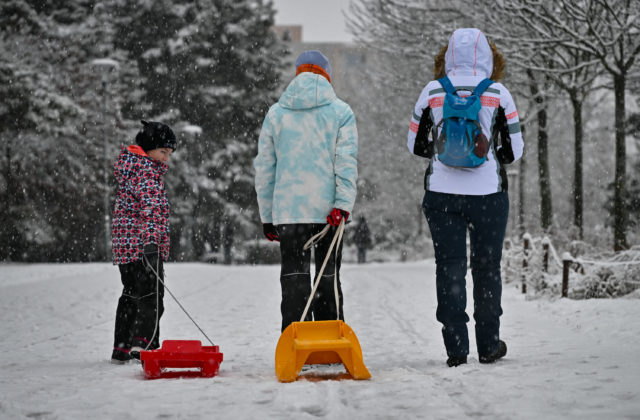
x=182, y=354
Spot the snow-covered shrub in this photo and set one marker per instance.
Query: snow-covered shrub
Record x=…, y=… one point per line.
x=607, y=276
x=516, y=261
x=592, y=274
x=258, y=252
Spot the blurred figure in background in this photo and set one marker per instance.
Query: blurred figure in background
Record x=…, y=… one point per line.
x=362, y=239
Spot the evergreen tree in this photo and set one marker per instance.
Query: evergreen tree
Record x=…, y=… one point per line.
x=53, y=159
x=213, y=64
x=40, y=141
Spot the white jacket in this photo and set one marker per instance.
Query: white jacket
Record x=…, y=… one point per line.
x=468, y=61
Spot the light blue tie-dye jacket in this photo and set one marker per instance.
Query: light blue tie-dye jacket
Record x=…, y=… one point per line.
x=307, y=154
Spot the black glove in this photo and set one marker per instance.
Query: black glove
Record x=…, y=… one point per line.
x=151, y=258
x=270, y=232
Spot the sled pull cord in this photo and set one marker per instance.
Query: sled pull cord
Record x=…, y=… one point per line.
x=316, y=238
x=312, y=241
x=180, y=305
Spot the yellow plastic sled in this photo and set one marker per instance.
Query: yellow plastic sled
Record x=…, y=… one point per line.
x=319, y=342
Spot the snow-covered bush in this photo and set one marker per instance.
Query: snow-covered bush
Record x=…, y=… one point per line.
x=258, y=251
x=593, y=273
x=609, y=277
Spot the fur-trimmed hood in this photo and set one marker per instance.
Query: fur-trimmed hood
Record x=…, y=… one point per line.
x=469, y=54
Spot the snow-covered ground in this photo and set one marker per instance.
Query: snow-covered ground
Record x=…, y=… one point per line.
x=567, y=359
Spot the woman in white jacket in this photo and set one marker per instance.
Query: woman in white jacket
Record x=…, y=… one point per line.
x=474, y=199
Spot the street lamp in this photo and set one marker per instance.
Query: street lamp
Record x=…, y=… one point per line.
x=106, y=65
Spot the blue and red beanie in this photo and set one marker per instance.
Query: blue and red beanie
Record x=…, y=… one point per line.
x=315, y=62
x=155, y=135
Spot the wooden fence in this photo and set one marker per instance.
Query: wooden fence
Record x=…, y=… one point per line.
x=567, y=263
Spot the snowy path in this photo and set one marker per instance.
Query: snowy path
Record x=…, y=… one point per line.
x=567, y=359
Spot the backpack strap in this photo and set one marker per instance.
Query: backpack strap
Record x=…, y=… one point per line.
x=479, y=90
x=447, y=85
x=482, y=86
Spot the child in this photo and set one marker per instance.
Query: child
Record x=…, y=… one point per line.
x=140, y=237
x=306, y=172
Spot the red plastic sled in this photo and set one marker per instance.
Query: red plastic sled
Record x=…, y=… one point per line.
x=183, y=354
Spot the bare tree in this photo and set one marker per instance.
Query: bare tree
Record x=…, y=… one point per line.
x=612, y=36
x=401, y=38
x=539, y=96
x=567, y=42
x=409, y=33
x=571, y=69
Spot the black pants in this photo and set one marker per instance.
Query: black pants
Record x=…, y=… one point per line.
x=295, y=277
x=139, y=308
x=485, y=217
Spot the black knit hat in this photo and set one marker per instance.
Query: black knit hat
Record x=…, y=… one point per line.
x=155, y=135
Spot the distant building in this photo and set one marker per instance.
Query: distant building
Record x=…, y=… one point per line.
x=291, y=33
x=349, y=62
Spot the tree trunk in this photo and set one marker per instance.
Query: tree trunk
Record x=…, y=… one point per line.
x=546, y=212
x=227, y=241
x=5, y=211
x=198, y=230
x=578, y=196
x=546, y=215
x=521, y=195
x=619, y=209
x=12, y=237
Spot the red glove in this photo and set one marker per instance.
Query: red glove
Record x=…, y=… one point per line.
x=335, y=217
x=270, y=232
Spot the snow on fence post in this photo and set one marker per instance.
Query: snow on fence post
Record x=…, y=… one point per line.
x=525, y=261
x=567, y=259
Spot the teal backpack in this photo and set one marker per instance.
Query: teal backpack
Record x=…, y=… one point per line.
x=461, y=142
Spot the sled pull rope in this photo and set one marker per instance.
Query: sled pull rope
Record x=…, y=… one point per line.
x=316, y=238
x=180, y=305
x=313, y=240
x=155, y=328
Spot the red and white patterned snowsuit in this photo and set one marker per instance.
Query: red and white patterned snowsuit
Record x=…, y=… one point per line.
x=141, y=212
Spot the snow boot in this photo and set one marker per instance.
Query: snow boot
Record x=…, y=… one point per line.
x=498, y=354
x=454, y=361
x=135, y=352
x=120, y=357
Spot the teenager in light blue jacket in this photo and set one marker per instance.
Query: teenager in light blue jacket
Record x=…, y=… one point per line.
x=306, y=172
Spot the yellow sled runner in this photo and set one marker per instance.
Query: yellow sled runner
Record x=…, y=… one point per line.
x=319, y=342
